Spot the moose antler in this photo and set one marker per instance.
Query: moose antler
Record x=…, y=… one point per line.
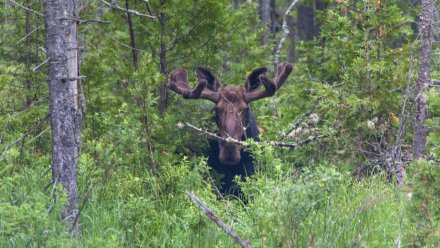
x=178, y=82
x=270, y=87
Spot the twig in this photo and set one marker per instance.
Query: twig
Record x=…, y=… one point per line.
x=121, y=43
x=40, y=65
x=134, y=12
x=27, y=35
x=85, y=21
x=295, y=145
x=302, y=118
x=218, y=221
x=215, y=136
x=26, y=8
x=23, y=136
x=38, y=135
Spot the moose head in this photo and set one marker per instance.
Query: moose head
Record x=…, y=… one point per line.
x=231, y=102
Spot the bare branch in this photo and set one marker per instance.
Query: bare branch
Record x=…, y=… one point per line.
x=208, y=212
x=27, y=35
x=296, y=145
x=302, y=118
x=212, y=135
x=26, y=8
x=40, y=65
x=245, y=144
x=80, y=21
x=134, y=12
x=121, y=43
x=23, y=136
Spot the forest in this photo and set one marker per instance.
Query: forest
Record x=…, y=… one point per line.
x=216, y=123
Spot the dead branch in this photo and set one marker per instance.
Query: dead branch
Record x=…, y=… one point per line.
x=245, y=144
x=212, y=135
x=23, y=136
x=296, y=145
x=26, y=8
x=303, y=117
x=80, y=21
x=208, y=212
x=120, y=42
x=134, y=12
x=27, y=35
x=40, y=65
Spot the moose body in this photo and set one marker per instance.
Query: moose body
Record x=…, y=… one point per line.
x=233, y=115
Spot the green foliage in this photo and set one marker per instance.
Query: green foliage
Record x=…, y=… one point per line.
x=424, y=208
x=365, y=49
x=136, y=165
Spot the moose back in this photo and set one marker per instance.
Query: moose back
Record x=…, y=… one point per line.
x=233, y=115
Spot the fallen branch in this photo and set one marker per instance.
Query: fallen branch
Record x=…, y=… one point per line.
x=218, y=221
x=134, y=12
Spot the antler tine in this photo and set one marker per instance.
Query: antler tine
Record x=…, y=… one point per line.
x=270, y=87
x=178, y=82
x=283, y=71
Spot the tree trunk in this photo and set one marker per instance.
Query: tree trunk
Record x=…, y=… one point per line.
x=420, y=131
x=28, y=84
x=132, y=37
x=290, y=21
x=306, y=21
x=266, y=11
x=163, y=64
x=65, y=115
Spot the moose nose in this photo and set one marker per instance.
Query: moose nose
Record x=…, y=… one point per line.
x=229, y=154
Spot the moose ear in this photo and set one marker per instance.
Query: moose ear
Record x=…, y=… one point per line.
x=253, y=80
x=206, y=74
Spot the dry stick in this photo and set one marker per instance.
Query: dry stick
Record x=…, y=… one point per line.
x=26, y=8
x=120, y=42
x=27, y=35
x=134, y=12
x=218, y=221
x=23, y=136
x=245, y=144
x=302, y=118
x=40, y=65
x=80, y=21
x=286, y=32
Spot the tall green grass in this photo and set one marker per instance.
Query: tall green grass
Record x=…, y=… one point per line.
x=134, y=207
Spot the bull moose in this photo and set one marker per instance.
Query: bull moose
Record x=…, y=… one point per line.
x=233, y=115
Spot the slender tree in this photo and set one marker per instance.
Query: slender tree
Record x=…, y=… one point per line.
x=65, y=115
x=420, y=131
x=267, y=15
x=132, y=37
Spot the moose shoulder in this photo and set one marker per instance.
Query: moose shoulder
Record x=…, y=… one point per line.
x=233, y=115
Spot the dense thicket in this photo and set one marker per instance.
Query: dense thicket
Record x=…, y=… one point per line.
x=355, y=69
